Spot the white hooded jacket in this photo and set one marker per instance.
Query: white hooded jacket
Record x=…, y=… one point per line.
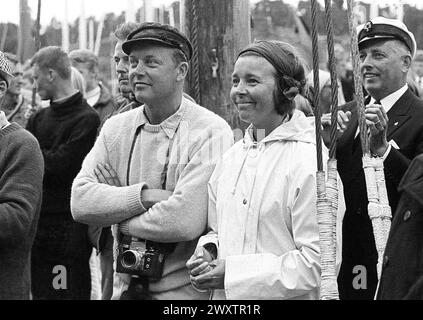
x=262, y=215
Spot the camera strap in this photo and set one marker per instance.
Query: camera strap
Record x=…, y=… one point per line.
x=167, y=160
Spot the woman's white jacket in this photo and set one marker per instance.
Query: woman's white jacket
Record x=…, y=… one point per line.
x=262, y=215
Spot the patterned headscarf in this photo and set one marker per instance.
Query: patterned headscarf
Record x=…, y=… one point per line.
x=5, y=68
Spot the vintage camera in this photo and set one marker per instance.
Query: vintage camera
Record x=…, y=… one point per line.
x=142, y=257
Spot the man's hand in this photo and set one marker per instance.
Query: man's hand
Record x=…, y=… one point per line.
x=213, y=279
x=3, y=120
x=106, y=175
x=377, y=122
x=150, y=197
x=343, y=123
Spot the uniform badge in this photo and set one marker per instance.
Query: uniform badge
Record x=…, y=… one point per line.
x=368, y=26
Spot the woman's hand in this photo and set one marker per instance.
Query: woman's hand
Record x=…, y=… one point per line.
x=199, y=262
x=212, y=279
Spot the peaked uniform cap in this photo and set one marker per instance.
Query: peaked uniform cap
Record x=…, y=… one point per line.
x=384, y=28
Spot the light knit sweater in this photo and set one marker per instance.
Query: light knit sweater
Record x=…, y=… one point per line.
x=199, y=138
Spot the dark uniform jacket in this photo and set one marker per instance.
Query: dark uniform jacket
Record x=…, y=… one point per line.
x=405, y=128
x=402, y=273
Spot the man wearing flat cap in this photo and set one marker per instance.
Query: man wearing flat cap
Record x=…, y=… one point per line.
x=147, y=173
x=394, y=117
x=21, y=177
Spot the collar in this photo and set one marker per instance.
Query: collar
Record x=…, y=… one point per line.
x=64, y=99
x=105, y=95
x=169, y=125
x=389, y=101
x=94, y=92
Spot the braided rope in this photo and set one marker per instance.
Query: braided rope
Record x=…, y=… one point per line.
x=195, y=73
x=332, y=198
x=327, y=194
x=316, y=84
x=378, y=207
x=383, y=200
x=374, y=209
x=333, y=79
x=329, y=288
x=358, y=81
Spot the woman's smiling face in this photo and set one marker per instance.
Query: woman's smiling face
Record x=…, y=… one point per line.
x=253, y=86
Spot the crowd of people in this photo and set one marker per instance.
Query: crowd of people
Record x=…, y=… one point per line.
x=146, y=195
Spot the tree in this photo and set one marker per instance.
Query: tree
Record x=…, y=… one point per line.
x=52, y=35
x=413, y=18
x=11, y=40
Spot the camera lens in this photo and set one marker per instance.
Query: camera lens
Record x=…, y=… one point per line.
x=131, y=259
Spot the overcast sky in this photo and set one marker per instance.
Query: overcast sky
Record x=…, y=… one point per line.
x=55, y=8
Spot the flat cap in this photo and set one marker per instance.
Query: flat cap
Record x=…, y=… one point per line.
x=5, y=69
x=384, y=28
x=160, y=33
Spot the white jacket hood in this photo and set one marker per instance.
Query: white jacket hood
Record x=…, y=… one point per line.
x=298, y=128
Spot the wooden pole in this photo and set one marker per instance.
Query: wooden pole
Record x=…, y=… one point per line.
x=3, y=36
x=25, y=44
x=182, y=14
x=99, y=35
x=65, y=29
x=112, y=40
x=148, y=11
x=374, y=9
x=171, y=16
x=130, y=11
x=82, y=27
x=91, y=35
x=223, y=29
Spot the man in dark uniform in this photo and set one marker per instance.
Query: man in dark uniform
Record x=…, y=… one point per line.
x=402, y=276
x=394, y=117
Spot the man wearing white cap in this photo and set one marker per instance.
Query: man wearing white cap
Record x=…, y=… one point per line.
x=394, y=117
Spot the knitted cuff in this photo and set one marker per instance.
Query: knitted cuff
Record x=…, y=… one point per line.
x=124, y=227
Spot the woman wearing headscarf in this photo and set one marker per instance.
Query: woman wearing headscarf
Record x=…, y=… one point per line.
x=263, y=239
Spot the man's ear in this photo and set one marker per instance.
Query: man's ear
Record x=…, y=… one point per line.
x=406, y=62
x=3, y=88
x=52, y=75
x=182, y=71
